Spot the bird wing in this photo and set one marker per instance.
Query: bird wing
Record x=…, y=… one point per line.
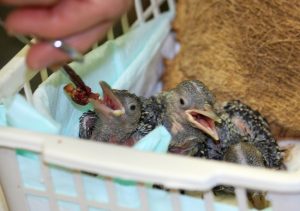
x=244, y=118
x=87, y=124
x=190, y=146
x=252, y=124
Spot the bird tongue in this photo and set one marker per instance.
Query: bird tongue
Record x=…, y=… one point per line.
x=109, y=98
x=110, y=104
x=108, y=101
x=205, y=121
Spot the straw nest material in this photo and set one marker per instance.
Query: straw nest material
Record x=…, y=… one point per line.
x=243, y=49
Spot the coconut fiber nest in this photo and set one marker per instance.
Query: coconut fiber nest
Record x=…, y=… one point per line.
x=243, y=49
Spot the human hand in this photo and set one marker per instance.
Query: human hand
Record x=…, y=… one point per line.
x=79, y=23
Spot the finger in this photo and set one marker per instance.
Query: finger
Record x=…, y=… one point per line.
x=43, y=54
x=28, y=2
x=65, y=18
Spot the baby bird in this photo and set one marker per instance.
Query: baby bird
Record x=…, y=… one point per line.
x=247, y=154
x=244, y=153
x=189, y=116
x=250, y=123
x=115, y=119
x=120, y=118
x=199, y=128
x=245, y=139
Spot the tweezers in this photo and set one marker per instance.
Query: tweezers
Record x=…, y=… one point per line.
x=58, y=44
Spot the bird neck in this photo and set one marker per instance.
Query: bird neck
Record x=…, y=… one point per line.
x=150, y=116
x=101, y=131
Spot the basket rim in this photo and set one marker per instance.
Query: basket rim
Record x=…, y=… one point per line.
x=173, y=171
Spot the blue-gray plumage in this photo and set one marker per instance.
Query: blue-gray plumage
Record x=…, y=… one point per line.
x=244, y=153
x=252, y=124
x=87, y=123
x=201, y=128
x=175, y=109
x=188, y=111
x=121, y=117
x=114, y=119
x=232, y=133
x=189, y=116
x=244, y=136
x=228, y=135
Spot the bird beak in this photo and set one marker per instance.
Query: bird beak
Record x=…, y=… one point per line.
x=110, y=105
x=204, y=120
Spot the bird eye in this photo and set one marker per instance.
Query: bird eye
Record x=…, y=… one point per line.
x=132, y=107
x=182, y=102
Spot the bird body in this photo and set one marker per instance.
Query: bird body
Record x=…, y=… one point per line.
x=114, y=119
x=251, y=144
x=120, y=118
x=198, y=126
x=252, y=124
x=189, y=117
x=174, y=109
x=244, y=135
x=189, y=112
x=244, y=140
x=244, y=153
x=228, y=134
x=87, y=122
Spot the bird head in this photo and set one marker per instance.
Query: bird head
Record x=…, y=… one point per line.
x=192, y=104
x=119, y=108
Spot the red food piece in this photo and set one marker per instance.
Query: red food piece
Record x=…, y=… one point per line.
x=80, y=93
x=77, y=95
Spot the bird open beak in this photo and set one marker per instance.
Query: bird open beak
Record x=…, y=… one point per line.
x=205, y=121
x=110, y=104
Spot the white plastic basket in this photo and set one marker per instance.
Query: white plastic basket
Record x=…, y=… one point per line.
x=77, y=156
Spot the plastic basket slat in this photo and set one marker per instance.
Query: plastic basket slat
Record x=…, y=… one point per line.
x=28, y=92
x=125, y=23
x=155, y=7
x=139, y=11
x=175, y=199
x=143, y=197
x=44, y=75
x=209, y=201
x=241, y=198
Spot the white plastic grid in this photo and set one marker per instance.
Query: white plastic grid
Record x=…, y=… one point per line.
x=130, y=164
x=288, y=183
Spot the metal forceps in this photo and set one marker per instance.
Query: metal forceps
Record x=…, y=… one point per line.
x=81, y=91
x=58, y=44
x=71, y=52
